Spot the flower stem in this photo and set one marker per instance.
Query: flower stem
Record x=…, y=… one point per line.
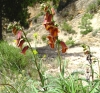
x=59, y=56
x=35, y=60
x=98, y=68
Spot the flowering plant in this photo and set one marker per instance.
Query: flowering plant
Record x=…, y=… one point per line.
x=52, y=28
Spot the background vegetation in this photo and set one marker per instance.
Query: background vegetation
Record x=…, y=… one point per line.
x=26, y=74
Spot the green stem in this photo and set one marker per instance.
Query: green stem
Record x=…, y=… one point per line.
x=92, y=72
x=59, y=56
x=35, y=59
x=90, y=61
x=28, y=42
x=9, y=85
x=98, y=68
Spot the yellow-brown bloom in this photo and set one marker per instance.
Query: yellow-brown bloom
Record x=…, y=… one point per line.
x=64, y=47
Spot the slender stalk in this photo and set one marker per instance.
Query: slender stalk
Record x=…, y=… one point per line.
x=28, y=42
x=59, y=56
x=90, y=62
x=92, y=72
x=98, y=68
x=91, y=67
x=35, y=60
x=9, y=85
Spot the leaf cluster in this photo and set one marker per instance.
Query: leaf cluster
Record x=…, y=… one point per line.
x=70, y=42
x=67, y=28
x=94, y=7
x=85, y=24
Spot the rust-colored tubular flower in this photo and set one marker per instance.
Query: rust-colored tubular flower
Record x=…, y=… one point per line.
x=53, y=30
x=47, y=24
x=21, y=43
x=50, y=27
x=51, y=41
x=24, y=49
x=51, y=44
x=19, y=34
x=14, y=30
x=48, y=17
x=64, y=47
x=17, y=41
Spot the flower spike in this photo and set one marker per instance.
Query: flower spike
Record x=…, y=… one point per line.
x=18, y=32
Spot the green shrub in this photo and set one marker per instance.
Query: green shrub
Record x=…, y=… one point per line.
x=44, y=37
x=98, y=2
x=70, y=42
x=11, y=58
x=85, y=24
x=92, y=8
x=94, y=33
x=66, y=27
